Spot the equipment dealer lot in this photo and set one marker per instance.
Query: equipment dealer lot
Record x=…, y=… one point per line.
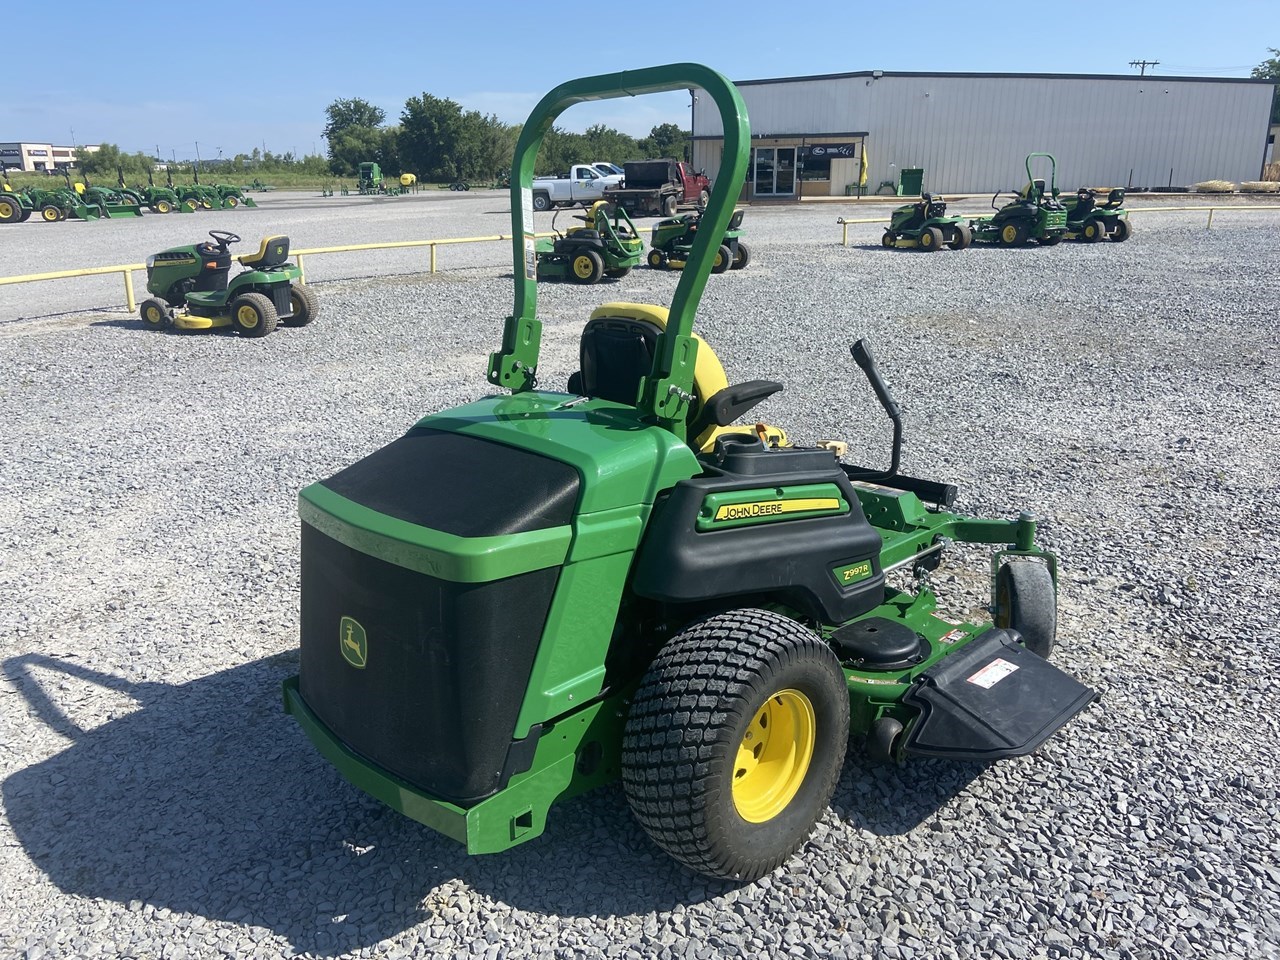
x=157, y=801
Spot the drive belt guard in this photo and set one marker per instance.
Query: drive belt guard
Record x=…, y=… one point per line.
x=991, y=699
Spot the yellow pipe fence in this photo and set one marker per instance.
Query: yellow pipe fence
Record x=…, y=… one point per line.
x=127, y=269
x=844, y=240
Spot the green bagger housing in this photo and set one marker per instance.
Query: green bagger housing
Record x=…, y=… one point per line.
x=549, y=589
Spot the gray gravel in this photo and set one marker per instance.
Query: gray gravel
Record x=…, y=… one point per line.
x=157, y=802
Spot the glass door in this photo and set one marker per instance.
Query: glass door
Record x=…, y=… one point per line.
x=774, y=171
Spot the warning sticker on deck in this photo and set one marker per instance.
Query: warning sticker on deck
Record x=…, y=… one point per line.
x=993, y=673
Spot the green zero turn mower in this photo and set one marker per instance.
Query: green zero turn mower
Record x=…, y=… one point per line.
x=672, y=241
x=193, y=288
x=1034, y=213
x=606, y=245
x=926, y=225
x=546, y=589
x=1090, y=221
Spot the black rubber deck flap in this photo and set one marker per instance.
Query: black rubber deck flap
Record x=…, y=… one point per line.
x=992, y=698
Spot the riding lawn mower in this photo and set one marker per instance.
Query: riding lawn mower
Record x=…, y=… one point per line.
x=1089, y=221
x=1034, y=213
x=193, y=288
x=927, y=226
x=672, y=242
x=606, y=245
x=552, y=588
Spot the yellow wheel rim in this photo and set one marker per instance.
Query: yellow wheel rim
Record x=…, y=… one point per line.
x=1009, y=234
x=774, y=756
x=247, y=317
x=162, y=206
x=50, y=214
x=6, y=209
x=926, y=240
x=582, y=266
x=153, y=315
x=719, y=259
x=655, y=259
x=232, y=202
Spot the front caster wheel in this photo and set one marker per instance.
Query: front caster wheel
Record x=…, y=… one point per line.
x=734, y=742
x=1027, y=601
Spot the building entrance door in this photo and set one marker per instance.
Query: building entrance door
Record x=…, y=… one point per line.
x=775, y=172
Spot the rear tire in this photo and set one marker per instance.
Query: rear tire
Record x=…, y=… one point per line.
x=931, y=239
x=253, y=314
x=1121, y=232
x=305, y=305
x=669, y=206
x=586, y=267
x=155, y=314
x=10, y=210
x=961, y=237
x=541, y=201
x=742, y=257
x=1093, y=231
x=1027, y=601
x=724, y=257
x=735, y=741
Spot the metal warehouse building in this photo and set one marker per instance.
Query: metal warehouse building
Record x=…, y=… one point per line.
x=970, y=132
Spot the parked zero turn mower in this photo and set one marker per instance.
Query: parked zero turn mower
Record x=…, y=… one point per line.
x=606, y=245
x=672, y=242
x=1034, y=213
x=193, y=288
x=549, y=589
x=926, y=225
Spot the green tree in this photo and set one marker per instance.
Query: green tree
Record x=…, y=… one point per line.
x=605, y=143
x=430, y=128
x=352, y=146
x=101, y=161
x=1270, y=70
x=667, y=140
x=351, y=112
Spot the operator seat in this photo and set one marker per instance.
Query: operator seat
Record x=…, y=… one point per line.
x=273, y=252
x=617, y=349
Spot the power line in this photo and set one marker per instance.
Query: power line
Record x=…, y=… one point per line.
x=1143, y=64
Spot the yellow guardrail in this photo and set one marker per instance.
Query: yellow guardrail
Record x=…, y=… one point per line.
x=127, y=269
x=844, y=240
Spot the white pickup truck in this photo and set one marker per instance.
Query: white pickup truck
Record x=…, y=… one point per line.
x=581, y=185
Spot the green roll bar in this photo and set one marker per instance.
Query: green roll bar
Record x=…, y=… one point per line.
x=1053, y=171
x=665, y=394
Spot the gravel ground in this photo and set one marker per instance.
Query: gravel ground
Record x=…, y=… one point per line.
x=158, y=803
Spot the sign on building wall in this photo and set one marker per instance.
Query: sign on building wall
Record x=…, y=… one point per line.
x=831, y=150
x=14, y=152
x=37, y=153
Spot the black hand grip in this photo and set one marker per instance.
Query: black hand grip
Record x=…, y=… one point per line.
x=863, y=358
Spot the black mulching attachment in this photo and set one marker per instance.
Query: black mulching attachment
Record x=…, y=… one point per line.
x=687, y=719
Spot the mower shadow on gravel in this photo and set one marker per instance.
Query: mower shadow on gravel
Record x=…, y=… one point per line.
x=208, y=800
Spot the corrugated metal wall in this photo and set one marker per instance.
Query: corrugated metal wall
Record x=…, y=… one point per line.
x=973, y=133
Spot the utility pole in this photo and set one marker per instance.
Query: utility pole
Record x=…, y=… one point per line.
x=1143, y=64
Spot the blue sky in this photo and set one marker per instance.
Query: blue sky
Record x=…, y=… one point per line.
x=255, y=74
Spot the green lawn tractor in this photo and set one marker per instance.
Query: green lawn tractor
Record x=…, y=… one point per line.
x=606, y=245
x=192, y=288
x=52, y=205
x=549, y=589
x=1088, y=221
x=156, y=199
x=112, y=204
x=672, y=241
x=1034, y=213
x=15, y=206
x=925, y=225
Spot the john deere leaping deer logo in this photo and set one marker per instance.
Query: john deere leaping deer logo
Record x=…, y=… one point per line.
x=353, y=643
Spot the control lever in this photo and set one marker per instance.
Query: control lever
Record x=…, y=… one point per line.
x=866, y=362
